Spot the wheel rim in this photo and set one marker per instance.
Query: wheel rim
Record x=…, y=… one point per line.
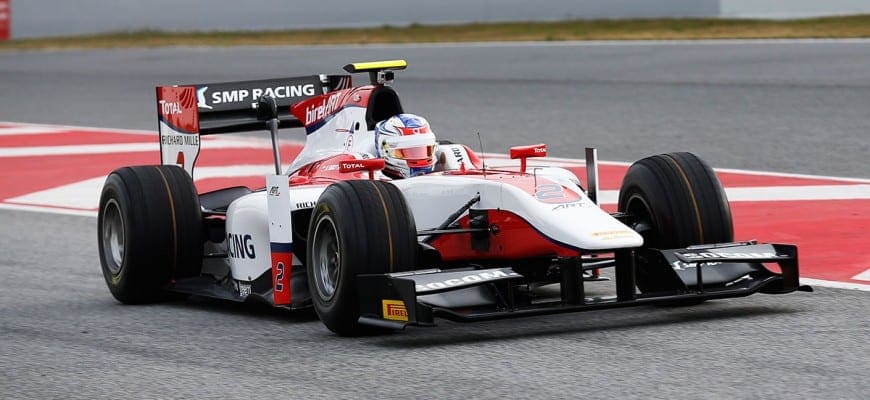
x=326, y=258
x=113, y=239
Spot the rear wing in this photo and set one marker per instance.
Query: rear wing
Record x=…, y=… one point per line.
x=185, y=112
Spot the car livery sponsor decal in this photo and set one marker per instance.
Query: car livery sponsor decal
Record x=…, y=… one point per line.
x=213, y=97
x=348, y=142
x=316, y=111
x=457, y=154
x=325, y=107
x=178, y=124
x=466, y=279
x=679, y=265
x=613, y=234
x=180, y=140
x=282, y=268
x=201, y=102
x=730, y=255
x=280, y=237
x=251, y=95
x=351, y=165
x=577, y=204
x=305, y=204
x=535, y=150
x=176, y=106
x=554, y=193
x=394, y=310
x=240, y=246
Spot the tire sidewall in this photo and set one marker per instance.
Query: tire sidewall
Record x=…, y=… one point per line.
x=115, y=281
x=366, y=215
x=345, y=289
x=633, y=193
x=161, y=222
x=683, y=199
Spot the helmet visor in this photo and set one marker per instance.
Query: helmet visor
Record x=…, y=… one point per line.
x=414, y=153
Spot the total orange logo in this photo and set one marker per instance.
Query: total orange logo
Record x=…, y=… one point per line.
x=395, y=310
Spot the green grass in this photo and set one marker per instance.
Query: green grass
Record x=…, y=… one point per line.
x=635, y=29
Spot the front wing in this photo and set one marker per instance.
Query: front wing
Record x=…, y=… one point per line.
x=687, y=275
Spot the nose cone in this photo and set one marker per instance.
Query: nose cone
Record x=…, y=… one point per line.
x=579, y=223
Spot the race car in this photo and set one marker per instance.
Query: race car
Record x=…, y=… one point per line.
x=466, y=241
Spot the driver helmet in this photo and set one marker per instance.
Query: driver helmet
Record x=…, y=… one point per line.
x=407, y=145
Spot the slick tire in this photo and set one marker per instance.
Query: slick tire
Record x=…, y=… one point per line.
x=676, y=201
x=149, y=230
x=357, y=227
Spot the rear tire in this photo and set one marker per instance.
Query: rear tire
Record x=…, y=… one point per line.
x=676, y=200
x=149, y=230
x=357, y=227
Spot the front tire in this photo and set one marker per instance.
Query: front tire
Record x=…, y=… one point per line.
x=357, y=227
x=675, y=200
x=149, y=230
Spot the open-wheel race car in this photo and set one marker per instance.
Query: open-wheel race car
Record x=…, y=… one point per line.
x=463, y=241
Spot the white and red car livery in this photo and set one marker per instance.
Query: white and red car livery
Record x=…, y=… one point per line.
x=466, y=242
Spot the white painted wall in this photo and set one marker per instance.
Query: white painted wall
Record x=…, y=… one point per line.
x=777, y=9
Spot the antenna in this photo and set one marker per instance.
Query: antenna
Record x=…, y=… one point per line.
x=535, y=175
x=482, y=154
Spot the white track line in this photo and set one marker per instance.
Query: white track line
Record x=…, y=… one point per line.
x=864, y=276
x=86, y=194
x=47, y=210
x=116, y=148
x=790, y=193
x=79, y=128
x=83, y=195
x=69, y=150
x=788, y=175
x=29, y=130
x=775, y=193
x=835, y=284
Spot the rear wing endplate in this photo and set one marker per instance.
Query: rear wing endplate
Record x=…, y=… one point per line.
x=185, y=112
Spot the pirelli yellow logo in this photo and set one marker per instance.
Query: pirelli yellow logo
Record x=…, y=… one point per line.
x=395, y=310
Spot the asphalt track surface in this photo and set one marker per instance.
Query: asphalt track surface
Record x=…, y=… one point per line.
x=800, y=107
